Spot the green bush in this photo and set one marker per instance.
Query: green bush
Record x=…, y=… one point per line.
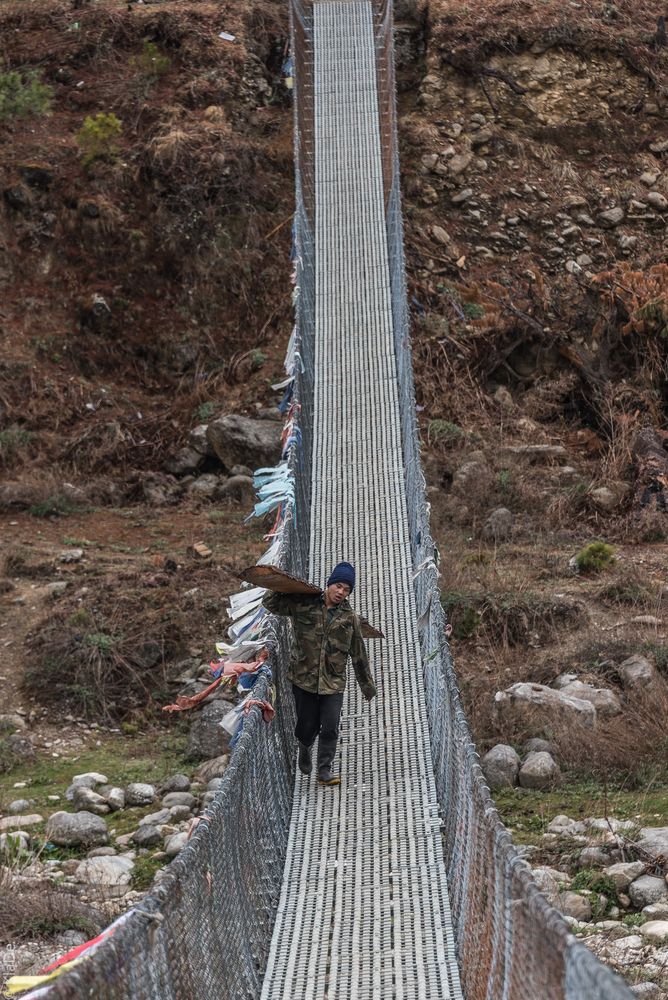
x=204, y=411
x=55, y=506
x=443, y=431
x=473, y=310
x=13, y=440
x=152, y=62
x=257, y=359
x=22, y=96
x=98, y=137
x=594, y=557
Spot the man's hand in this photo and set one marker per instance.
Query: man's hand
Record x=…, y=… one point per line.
x=369, y=693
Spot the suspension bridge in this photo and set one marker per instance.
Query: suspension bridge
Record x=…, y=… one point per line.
x=403, y=882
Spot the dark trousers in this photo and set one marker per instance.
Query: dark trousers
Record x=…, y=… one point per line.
x=318, y=715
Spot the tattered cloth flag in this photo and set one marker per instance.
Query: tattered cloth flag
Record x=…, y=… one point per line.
x=185, y=702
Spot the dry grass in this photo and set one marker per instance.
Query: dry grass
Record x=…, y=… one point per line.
x=109, y=655
x=36, y=909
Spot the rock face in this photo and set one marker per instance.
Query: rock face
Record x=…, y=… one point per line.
x=539, y=705
x=207, y=738
x=501, y=766
x=604, y=700
x=239, y=440
x=77, y=829
x=539, y=771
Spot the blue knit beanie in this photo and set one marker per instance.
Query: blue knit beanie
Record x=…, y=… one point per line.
x=343, y=572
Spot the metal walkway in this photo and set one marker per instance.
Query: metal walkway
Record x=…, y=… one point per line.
x=364, y=910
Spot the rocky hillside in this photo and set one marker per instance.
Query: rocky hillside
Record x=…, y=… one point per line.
x=146, y=179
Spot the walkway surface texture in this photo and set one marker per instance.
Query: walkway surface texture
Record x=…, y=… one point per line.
x=364, y=910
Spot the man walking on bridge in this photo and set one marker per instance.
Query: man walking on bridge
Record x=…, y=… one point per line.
x=326, y=632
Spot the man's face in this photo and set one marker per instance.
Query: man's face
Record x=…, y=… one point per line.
x=337, y=592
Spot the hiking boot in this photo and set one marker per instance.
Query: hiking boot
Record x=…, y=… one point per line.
x=325, y=777
x=304, y=759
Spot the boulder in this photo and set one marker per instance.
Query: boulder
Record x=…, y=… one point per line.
x=115, y=798
x=177, y=814
x=539, y=771
x=655, y=930
x=624, y=873
x=15, y=842
x=139, y=794
x=238, y=488
x=185, y=461
x=658, y=201
x=592, y=857
x=239, y=440
x=655, y=911
x=198, y=441
x=19, y=806
x=551, y=882
x=563, y=680
x=20, y=746
x=11, y=722
x=538, y=745
x=77, y=829
x=647, y=991
x=611, y=217
x=146, y=836
x=207, y=486
x=648, y=889
x=86, y=800
x=564, y=826
x=156, y=819
x=469, y=476
x=214, y=784
x=604, y=700
x=498, y=526
x=501, y=766
x=654, y=840
x=175, y=843
x=17, y=822
x=213, y=769
x=207, y=738
x=106, y=871
x=637, y=672
x=179, y=799
x=177, y=783
x=536, y=704
x=572, y=904
x=533, y=452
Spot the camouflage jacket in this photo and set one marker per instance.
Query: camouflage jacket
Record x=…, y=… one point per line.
x=322, y=645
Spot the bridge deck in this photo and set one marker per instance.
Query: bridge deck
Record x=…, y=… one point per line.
x=364, y=910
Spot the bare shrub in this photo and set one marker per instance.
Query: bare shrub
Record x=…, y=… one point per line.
x=35, y=908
